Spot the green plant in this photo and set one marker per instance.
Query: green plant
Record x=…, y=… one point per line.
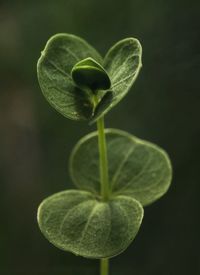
x=116, y=174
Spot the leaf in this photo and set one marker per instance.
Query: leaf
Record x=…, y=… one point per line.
x=137, y=168
x=122, y=63
x=76, y=221
x=67, y=55
x=61, y=53
x=105, y=102
x=89, y=74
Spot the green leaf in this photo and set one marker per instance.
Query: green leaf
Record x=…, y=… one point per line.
x=122, y=63
x=76, y=221
x=89, y=74
x=61, y=53
x=137, y=168
x=66, y=55
x=104, y=102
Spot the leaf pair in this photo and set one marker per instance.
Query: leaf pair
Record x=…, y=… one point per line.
x=69, y=66
x=80, y=221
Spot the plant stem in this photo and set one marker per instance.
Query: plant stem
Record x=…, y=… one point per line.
x=103, y=170
x=103, y=162
x=104, y=266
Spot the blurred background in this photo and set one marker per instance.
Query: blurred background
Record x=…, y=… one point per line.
x=162, y=107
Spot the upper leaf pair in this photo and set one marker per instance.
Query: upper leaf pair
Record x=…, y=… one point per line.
x=70, y=71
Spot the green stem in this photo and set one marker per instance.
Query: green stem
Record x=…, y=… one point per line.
x=104, y=266
x=103, y=170
x=103, y=162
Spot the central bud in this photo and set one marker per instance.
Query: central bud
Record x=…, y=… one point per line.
x=88, y=74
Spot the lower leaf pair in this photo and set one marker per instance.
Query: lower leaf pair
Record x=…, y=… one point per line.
x=79, y=221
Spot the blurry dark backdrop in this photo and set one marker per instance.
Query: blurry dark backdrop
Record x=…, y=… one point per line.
x=162, y=107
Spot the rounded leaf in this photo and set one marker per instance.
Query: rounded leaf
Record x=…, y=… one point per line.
x=137, y=168
x=89, y=74
x=61, y=53
x=76, y=221
x=122, y=63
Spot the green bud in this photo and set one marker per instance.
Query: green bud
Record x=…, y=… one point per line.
x=89, y=74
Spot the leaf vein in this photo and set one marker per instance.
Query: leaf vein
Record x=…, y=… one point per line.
x=120, y=166
x=135, y=177
x=122, y=80
x=65, y=74
x=70, y=52
x=88, y=222
x=66, y=215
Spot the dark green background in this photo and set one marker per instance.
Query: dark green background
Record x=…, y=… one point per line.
x=162, y=107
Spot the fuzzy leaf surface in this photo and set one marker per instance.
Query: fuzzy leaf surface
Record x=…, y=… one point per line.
x=122, y=63
x=61, y=53
x=137, y=168
x=76, y=221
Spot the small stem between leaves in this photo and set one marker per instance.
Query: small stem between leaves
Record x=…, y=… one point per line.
x=104, y=266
